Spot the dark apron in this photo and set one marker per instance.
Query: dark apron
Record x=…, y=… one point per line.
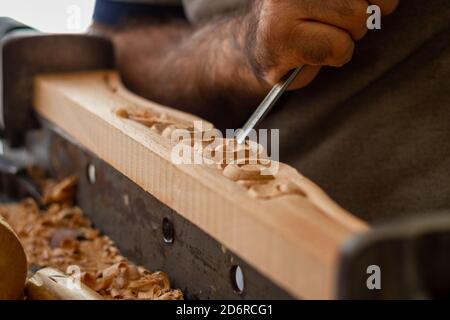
x=375, y=134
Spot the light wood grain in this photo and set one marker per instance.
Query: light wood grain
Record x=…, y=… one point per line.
x=293, y=238
x=13, y=264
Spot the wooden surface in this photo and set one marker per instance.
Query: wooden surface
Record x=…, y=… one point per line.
x=13, y=264
x=286, y=227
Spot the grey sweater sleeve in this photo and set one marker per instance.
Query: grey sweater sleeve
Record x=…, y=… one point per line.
x=197, y=10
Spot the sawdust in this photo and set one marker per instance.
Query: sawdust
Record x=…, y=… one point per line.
x=60, y=236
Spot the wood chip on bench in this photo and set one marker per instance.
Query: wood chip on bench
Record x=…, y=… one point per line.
x=61, y=236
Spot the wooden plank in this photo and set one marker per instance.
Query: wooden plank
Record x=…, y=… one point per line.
x=285, y=226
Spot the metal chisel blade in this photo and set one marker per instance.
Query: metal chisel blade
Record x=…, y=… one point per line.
x=266, y=105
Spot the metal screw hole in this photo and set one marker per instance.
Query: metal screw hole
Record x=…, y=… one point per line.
x=91, y=173
x=237, y=279
x=168, y=231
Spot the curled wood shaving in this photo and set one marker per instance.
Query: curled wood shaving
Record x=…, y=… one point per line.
x=60, y=192
x=61, y=236
x=273, y=189
x=246, y=172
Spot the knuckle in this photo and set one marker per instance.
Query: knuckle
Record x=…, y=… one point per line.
x=343, y=50
x=342, y=8
x=358, y=22
x=334, y=49
x=318, y=52
x=360, y=15
x=315, y=48
x=347, y=8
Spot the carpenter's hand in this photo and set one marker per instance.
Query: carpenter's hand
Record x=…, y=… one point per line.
x=287, y=33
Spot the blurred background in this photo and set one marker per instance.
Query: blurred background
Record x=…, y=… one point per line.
x=57, y=16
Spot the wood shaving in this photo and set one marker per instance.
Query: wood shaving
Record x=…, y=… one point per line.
x=273, y=189
x=246, y=172
x=62, y=192
x=61, y=236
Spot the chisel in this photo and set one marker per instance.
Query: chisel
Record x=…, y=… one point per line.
x=267, y=104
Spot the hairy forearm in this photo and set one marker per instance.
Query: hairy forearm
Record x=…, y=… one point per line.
x=204, y=70
x=222, y=69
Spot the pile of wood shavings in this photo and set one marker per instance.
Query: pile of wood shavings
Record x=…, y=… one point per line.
x=61, y=236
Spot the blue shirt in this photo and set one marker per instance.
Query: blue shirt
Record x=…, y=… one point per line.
x=112, y=12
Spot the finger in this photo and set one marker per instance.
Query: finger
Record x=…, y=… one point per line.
x=350, y=15
x=307, y=75
x=386, y=6
x=312, y=44
x=318, y=44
